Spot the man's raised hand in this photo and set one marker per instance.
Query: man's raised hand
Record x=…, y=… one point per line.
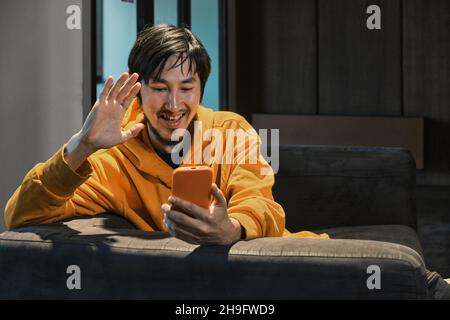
x=102, y=129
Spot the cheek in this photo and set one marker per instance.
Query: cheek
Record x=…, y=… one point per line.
x=192, y=96
x=192, y=99
x=151, y=105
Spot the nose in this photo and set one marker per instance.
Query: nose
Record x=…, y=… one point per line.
x=172, y=102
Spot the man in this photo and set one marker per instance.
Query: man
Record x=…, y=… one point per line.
x=120, y=159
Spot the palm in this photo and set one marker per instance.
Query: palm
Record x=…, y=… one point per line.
x=102, y=127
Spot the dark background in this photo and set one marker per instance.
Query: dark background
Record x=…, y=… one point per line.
x=318, y=57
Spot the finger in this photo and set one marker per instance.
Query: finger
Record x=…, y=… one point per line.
x=189, y=208
x=181, y=233
x=184, y=221
x=168, y=224
x=167, y=221
x=219, y=198
x=106, y=88
x=126, y=88
x=132, y=132
x=119, y=83
x=133, y=92
x=186, y=236
x=165, y=207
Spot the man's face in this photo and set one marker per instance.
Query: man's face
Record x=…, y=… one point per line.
x=170, y=102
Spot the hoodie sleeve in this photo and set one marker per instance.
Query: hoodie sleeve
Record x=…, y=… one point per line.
x=52, y=191
x=252, y=204
x=248, y=190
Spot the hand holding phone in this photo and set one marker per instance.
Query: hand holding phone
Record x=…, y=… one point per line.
x=208, y=223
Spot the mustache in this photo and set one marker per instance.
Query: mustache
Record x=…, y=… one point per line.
x=168, y=112
x=162, y=139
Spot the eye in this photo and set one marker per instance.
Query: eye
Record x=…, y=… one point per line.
x=159, y=89
x=186, y=89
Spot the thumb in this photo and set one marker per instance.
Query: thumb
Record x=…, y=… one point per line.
x=219, y=198
x=132, y=132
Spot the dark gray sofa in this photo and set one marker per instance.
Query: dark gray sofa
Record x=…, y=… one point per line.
x=363, y=197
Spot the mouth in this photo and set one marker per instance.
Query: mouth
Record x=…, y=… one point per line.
x=172, y=120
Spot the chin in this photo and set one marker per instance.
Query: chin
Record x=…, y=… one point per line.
x=166, y=134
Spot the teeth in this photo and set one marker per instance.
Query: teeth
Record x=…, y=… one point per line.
x=169, y=118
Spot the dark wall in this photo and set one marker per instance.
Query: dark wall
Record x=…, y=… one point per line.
x=276, y=56
x=318, y=57
x=426, y=65
x=359, y=69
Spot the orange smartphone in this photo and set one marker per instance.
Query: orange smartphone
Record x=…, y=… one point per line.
x=193, y=184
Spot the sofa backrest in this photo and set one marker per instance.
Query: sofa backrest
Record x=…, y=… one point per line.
x=332, y=186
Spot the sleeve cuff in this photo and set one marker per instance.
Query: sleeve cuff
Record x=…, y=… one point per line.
x=59, y=178
x=250, y=226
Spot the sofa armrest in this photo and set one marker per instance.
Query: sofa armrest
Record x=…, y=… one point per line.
x=121, y=263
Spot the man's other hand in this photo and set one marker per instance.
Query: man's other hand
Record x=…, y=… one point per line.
x=198, y=225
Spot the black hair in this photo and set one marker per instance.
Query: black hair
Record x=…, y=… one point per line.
x=156, y=44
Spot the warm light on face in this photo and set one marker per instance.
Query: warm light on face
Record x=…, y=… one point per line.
x=170, y=102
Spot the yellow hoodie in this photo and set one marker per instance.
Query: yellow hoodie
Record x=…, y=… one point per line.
x=133, y=181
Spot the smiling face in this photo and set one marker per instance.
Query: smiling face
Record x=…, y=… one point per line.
x=170, y=102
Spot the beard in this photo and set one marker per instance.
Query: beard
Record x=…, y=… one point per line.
x=161, y=139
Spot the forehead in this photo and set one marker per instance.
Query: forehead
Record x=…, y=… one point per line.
x=175, y=70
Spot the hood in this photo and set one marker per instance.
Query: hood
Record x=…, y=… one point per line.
x=133, y=115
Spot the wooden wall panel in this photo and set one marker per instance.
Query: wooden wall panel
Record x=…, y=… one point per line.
x=289, y=57
x=426, y=50
x=248, y=58
x=277, y=56
x=359, y=69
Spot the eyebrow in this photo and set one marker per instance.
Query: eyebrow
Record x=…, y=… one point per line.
x=162, y=80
